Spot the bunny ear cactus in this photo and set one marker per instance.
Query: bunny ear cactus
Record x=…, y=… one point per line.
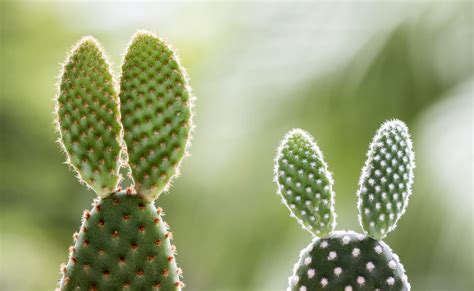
x=123, y=242
x=346, y=260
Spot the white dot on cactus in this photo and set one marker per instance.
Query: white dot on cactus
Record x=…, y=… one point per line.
x=307, y=203
x=378, y=249
x=298, y=184
x=399, y=205
x=390, y=281
x=360, y=280
x=364, y=190
x=391, y=186
x=337, y=271
x=298, y=198
x=326, y=188
x=324, y=282
x=355, y=252
x=318, y=195
x=311, y=273
x=324, y=244
x=289, y=192
x=303, y=213
x=312, y=164
x=345, y=240
x=312, y=218
x=371, y=197
x=377, y=205
x=382, y=231
x=370, y=266
x=292, y=206
x=295, y=279
x=383, y=180
x=401, y=168
x=378, y=173
x=366, y=211
x=311, y=175
x=377, y=189
x=303, y=288
x=392, y=264
x=348, y=288
x=401, y=186
x=371, y=182
x=391, y=216
x=288, y=179
x=307, y=260
x=372, y=224
x=377, y=158
x=383, y=164
x=308, y=189
x=395, y=196
x=332, y=255
x=291, y=166
x=384, y=195
x=382, y=217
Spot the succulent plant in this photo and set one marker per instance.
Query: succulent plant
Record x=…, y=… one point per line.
x=123, y=242
x=346, y=260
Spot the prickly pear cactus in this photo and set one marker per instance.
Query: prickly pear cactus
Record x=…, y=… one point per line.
x=123, y=242
x=346, y=260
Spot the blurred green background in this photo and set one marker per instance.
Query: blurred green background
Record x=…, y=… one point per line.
x=258, y=70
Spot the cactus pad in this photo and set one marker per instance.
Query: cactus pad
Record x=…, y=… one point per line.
x=123, y=243
x=156, y=113
x=386, y=180
x=305, y=183
x=88, y=117
x=348, y=261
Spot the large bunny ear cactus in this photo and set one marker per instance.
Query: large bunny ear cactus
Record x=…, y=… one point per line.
x=346, y=260
x=123, y=242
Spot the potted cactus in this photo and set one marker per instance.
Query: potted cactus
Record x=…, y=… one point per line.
x=145, y=125
x=346, y=260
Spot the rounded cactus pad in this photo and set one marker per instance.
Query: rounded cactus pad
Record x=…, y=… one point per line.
x=305, y=183
x=386, y=180
x=348, y=261
x=156, y=113
x=87, y=117
x=123, y=244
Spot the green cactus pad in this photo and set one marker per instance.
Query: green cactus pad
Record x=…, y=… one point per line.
x=87, y=117
x=123, y=244
x=305, y=183
x=348, y=261
x=156, y=113
x=386, y=180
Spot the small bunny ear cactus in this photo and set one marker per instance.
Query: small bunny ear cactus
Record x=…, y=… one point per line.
x=124, y=243
x=346, y=260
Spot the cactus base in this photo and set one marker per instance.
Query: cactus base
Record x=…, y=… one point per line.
x=123, y=244
x=346, y=260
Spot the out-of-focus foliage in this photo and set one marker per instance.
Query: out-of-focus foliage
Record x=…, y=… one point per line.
x=258, y=69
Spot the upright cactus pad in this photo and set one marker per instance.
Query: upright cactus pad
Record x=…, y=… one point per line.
x=345, y=260
x=88, y=117
x=123, y=242
x=386, y=180
x=156, y=108
x=305, y=183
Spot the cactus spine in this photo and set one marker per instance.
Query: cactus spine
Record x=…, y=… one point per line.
x=123, y=242
x=346, y=260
